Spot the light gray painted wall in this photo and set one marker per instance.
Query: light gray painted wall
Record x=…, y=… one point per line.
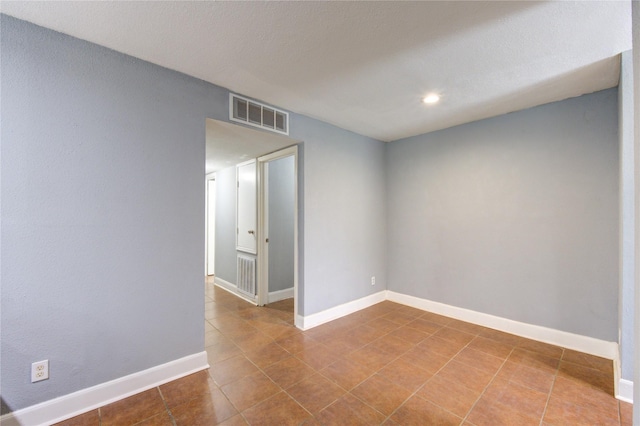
x=627, y=229
x=102, y=212
x=515, y=216
x=281, y=223
x=343, y=214
x=226, y=254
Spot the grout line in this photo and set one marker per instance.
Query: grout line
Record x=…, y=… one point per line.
x=555, y=376
x=164, y=401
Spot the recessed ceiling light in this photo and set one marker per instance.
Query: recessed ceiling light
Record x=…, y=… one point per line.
x=431, y=98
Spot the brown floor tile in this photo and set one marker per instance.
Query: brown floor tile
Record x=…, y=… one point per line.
x=452, y=396
x=534, y=360
x=528, y=401
x=349, y=410
x=602, y=364
x=91, y=418
x=590, y=376
x=480, y=360
x=408, y=334
x=236, y=420
x=383, y=324
x=469, y=376
x=626, y=414
x=405, y=374
x=425, y=359
x=583, y=394
x=315, y=393
x=280, y=330
x=162, y=419
x=425, y=326
x=288, y=372
x=267, y=355
x=500, y=336
x=252, y=341
x=250, y=390
x=204, y=410
x=491, y=347
x=399, y=317
x=447, y=348
x=417, y=411
x=392, y=345
x=346, y=374
x=363, y=335
x=371, y=357
x=186, y=388
x=317, y=357
x=297, y=342
x=532, y=378
x=435, y=318
x=561, y=412
x=231, y=369
x=342, y=345
x=277, y=410
x=381, y=394
x=467, y=327
x=220, y=351
x=133, y=409
x=453, y=335
x=541, y=348
x=487, y=413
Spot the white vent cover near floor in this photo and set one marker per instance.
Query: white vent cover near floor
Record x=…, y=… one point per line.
x=247, y=275
x=256, y=114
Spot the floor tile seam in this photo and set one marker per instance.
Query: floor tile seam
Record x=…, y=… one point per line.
x=365, y=403
x=166, y=406
x=485, y=389
x=415, y=393
x=553, y=383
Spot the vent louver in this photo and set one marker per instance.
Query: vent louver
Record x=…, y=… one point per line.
x=256, y=114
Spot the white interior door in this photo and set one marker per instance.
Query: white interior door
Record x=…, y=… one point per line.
x=211, y=226
x=247, y=208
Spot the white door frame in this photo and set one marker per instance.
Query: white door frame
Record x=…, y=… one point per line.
x=209, y=266
x=263, y=249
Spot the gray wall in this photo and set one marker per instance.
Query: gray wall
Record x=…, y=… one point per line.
x=281, y=223
x=515, y=216
x=226, y=254
x=343, y=214
x=102, y=213
x=627, y=229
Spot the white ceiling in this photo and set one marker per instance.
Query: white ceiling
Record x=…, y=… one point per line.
x=364, y=66
x=229, y=144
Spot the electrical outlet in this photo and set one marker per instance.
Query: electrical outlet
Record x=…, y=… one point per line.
x=39, y=371
x=373, y=280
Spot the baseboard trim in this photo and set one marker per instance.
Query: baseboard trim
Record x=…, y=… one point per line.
x=565, y=339
x=625, y=391
x=275, y=296
x=314, y=320
x=71, y=405
x=233, y=289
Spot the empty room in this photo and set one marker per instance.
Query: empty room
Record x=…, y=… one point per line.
x=319, y=213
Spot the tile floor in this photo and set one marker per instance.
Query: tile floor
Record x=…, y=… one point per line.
x=388, y=364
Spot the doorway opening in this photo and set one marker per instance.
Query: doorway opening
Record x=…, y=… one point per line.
x=274, y=261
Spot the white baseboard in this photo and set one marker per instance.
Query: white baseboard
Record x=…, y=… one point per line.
x=275, y=296
x=625, y=391
x=71, y=405
x=233, y=289
x=339, y=311
x=565, y=339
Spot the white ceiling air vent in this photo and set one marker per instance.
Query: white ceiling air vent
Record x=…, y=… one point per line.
x=255, y=114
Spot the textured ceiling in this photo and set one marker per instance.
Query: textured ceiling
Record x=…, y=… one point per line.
x=364, y=66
